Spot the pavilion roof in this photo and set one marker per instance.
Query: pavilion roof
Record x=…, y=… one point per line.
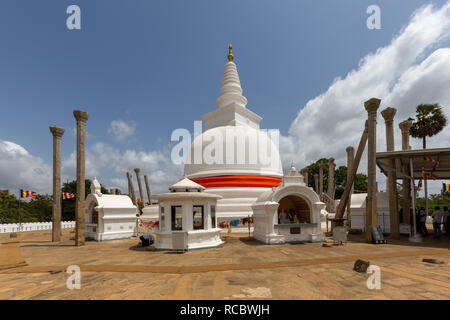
x=419, y=161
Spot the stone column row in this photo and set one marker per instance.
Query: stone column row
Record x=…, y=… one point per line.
x=330, y=190
x=57, y=133
x=388, y=115
x=320, y=178
x=405, y=126
x=131, y=193
x=371, y=107
x=80, y=229
x=350, y=158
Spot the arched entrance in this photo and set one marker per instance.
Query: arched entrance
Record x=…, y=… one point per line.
x=293, y=209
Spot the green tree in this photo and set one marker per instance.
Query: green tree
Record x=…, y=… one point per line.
x=340, y=178
x=38, y=209
x=68, y=205
x=430, y=120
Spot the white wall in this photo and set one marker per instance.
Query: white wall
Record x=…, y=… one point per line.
x=33, y=226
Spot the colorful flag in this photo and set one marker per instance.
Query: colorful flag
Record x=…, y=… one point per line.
x=27, y=193
x=429, y=159
x=66, y=195
x=445, y=187
x=427, y=175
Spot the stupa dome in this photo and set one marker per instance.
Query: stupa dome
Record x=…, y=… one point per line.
x=224, y=153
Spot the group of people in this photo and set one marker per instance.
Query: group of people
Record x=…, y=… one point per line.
x=440, y=218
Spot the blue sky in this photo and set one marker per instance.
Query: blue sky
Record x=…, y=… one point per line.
x=157, y=65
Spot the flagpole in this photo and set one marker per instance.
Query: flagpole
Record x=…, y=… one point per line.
x=414, y=237
x=20, y=221
x=425, y=189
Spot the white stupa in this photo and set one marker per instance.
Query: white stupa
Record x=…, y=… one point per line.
x=239, y=172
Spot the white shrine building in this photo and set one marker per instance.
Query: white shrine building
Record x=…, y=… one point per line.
x=187, y=218
x=109, y=217
x=288, y=213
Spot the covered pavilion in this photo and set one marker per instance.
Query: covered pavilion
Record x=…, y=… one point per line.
x=413, y=164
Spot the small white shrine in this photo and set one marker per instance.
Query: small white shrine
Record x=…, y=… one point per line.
x=187, y=218
x=288, y=213
x=358, y=211
x=109, y=217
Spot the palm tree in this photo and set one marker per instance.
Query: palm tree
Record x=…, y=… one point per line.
x=430, y=120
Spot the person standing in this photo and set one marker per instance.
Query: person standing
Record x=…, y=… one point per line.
x=446, y=221
x=437, y=220
x=422, y=222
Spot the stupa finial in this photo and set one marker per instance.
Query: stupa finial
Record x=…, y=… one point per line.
x=230, y=53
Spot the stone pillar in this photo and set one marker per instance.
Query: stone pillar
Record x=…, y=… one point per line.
x=304, y=173
x=406, y=205
x=81, y=117
x=147, y=186
x=388, y=115
x=131, y=188
x=330, y=190
x=138, y=178
x=316, y=182
x=371, y=205
x=57, y=133
x=355, y=164
x=320, y=179
x=350, y=158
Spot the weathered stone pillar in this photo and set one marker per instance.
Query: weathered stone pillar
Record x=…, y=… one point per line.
x=320, y=179
x=316, y=182
x=131, y=188
x=138, y=178
x=405, y=126
x=80, y=229
x=147, y=186
x=355, y=164
x=304, y=173
x=350, y=158
x=371, y=205
x=57, y=133
x=388, y=115
x=330, y=190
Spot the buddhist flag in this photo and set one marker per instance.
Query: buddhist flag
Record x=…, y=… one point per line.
x=446, y=187
x=427, y=175
x=27, y=193
x=429, y=159
x=66, y=195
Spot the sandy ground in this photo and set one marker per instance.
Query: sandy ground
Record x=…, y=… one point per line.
x=241, y=269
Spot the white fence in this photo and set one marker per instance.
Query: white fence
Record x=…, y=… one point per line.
x=33, y=226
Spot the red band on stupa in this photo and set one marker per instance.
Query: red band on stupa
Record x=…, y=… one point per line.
x=238, y=181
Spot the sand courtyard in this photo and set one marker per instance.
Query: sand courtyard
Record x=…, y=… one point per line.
x=32, y=267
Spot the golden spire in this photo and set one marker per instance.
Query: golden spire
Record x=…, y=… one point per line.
x=230, y=53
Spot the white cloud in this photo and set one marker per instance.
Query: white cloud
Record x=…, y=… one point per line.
x=407, y=72
x=20, y=170
x=121, y=130
x=110, y=165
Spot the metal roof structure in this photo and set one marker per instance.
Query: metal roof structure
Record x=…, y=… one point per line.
x=419, y=158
